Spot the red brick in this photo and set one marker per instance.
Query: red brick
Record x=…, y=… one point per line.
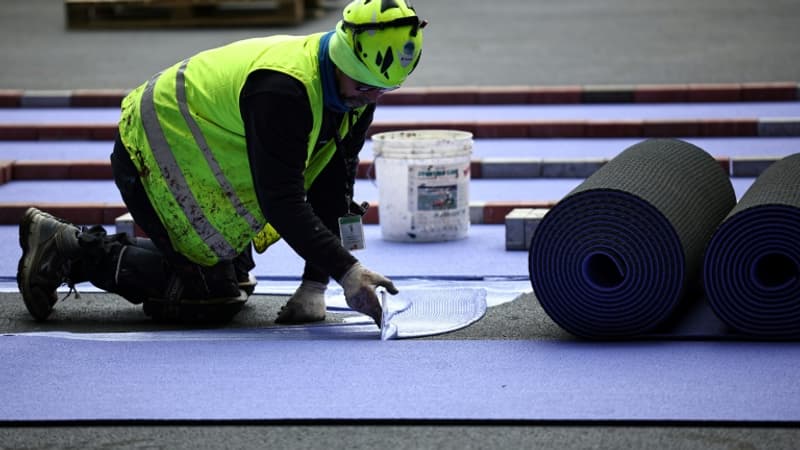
x=10, y=98
x=41, y=170
x=669, y=128
x=77, y=213
x=405, y=96
x=11, y=213
x=451, y=96
x=555, y=94
x=97, y=97
x=728, y=127
x=90, y=170
x=476, y=169
x=64, y=131
x=6, y=171
x=616, y=128
x=660, y=93
x=714, y=92
x=366, y=170
x=80, y=213
x=768, y=92
x=110, y=214
x=725, y=163
x=13, y=132
x=503, y=95
x=104, y=132
x=371, y=217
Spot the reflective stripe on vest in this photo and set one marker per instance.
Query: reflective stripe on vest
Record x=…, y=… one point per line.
x=168, y=165
x=185, y=135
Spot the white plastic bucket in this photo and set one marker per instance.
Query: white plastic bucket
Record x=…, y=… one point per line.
x=423, y=184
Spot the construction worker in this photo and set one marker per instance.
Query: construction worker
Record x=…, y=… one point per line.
x=234, y=148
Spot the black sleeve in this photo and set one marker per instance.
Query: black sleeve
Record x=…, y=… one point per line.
x=334, y=185
x=277, y=121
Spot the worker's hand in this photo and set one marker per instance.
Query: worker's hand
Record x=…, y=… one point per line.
x=359, y=286
x=307, y=304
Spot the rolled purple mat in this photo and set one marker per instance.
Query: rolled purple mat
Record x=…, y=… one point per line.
x=618, y=256
x=751, y=269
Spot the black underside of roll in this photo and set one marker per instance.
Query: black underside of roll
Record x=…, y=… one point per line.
x=751, y=271
x=621, y=255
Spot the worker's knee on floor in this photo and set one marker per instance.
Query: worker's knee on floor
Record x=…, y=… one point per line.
x=218, y=281
x=217, y=310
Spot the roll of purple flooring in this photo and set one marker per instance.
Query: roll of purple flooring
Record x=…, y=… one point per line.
x=751, y=269
x=617, y=256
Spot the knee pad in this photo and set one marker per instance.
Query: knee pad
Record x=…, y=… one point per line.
x=141, y=273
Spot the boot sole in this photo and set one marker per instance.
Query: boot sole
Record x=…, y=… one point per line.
x=38, y=307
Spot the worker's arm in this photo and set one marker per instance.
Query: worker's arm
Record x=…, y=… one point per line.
x=334, y=185
x=277, y=119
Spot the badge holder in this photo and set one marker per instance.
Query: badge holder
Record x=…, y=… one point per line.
x=351, y=227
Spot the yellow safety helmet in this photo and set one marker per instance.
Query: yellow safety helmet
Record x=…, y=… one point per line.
x=377, y=42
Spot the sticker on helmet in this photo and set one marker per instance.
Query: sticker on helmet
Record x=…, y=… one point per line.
x=408, y=54
x=385, y=61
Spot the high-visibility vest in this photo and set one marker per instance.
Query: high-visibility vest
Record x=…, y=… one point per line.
x=185, y=135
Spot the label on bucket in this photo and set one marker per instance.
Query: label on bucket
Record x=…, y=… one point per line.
x=436, y=187
x=438, y=201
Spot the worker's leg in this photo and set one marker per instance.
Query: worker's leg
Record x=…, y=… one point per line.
x=130, y=186
x=197, y=288
x=55, y=252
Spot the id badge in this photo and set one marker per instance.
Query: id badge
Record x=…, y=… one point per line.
x=351, y=231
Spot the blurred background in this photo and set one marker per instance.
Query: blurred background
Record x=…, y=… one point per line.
x=468, y=42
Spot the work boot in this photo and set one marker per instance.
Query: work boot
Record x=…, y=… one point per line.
x=48, y=247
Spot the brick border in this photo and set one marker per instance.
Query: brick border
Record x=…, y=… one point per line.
x=477, y=95
x=785, y=126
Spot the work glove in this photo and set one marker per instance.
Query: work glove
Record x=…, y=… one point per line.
x=359, y=284
x=307, y=304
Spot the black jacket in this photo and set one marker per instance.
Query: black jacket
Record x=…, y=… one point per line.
x=277, y=121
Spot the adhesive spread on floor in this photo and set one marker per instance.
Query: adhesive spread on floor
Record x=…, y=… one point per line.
x=425, y=313
x=411, y=314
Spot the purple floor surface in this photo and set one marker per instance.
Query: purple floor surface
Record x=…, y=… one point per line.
x=252, y=375
x=558, y=149
x=55, y=150
x=446, y=259
x=480, y=190
x=387, y=113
